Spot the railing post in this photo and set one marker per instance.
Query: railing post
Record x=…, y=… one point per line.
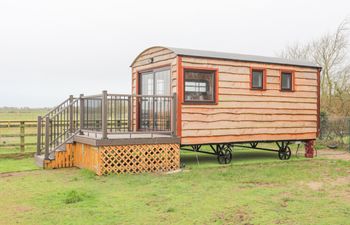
x=104, y=114
x=71, y=114
x=130, y=113
x=153, y=112
x=38, y=138
x=47, y=137
x=81, y=123
x=22, y=136
x=174, y=113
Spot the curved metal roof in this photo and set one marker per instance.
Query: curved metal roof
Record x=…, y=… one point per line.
x=236, y=57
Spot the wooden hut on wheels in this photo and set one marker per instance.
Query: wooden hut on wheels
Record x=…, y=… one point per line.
x=185, y=99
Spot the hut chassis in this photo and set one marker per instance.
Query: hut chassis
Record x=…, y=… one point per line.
x=223, y=151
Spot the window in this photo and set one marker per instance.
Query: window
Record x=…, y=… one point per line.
x=286, y=81
x=199, y=86
x=257, y=79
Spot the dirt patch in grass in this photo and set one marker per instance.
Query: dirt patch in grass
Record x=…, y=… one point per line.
x=16, y=155
x=22, y=209
x=259, y=183
x=319, y=185
x=19, y=173
x=315, y=186
x=341, y=181
x=333, y=154
x=239, y=216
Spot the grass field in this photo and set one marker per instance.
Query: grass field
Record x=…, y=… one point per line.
x=21, y=113
x=255, y=189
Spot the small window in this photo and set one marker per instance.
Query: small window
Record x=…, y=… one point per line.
x=199, y=86
x=286, y=81
x=257, y=79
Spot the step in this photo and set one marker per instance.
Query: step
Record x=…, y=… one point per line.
x=39, y=160
x=61, y=148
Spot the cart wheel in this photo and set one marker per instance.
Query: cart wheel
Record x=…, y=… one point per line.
x=225, y=156
x=284, y=154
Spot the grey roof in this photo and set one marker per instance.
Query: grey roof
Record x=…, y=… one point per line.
x=241, y=57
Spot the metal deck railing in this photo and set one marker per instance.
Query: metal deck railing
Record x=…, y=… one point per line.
x=105, y=114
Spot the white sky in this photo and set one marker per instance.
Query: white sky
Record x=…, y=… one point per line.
x=50, y=49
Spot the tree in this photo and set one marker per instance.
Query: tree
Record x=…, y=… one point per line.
x=330, y=51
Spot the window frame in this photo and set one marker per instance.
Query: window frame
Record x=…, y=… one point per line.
x=292, y=85
x=263, y=70
x=215, y=73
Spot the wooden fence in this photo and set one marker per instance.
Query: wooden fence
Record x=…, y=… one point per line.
x=18, y=136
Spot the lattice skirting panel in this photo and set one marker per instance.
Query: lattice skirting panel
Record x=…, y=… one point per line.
x=118, y=159
x=139, y=158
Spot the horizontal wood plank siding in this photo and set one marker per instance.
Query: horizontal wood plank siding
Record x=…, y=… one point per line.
x=161, y=57
x=246, y=138
x=243, y=114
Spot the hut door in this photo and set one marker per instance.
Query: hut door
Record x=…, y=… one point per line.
x=154, y=112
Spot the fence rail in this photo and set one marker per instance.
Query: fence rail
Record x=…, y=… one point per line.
x=18, y=135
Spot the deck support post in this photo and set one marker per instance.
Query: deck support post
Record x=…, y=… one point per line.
x=104, y=114
x=38, y=138
x=309, y=149
x=81, y=124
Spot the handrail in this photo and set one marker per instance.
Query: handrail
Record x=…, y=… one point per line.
x=58, y=106
x=65, y=108
x=91, y=96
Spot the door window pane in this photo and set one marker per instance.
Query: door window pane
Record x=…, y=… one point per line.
x=147, y=84
x=162, y=83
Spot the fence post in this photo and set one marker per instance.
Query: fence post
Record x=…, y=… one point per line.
x=71, y=114
x=47, y=137
x=104, y=115
x=81, y=123
x=38, y=137
x=174, y=113
x=22, y=141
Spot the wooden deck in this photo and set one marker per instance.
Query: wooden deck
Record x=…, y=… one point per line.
x=95, y=139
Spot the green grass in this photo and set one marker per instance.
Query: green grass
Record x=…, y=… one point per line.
x=13, y=165
x=256, y=188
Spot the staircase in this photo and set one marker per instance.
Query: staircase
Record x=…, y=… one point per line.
x=57, y=128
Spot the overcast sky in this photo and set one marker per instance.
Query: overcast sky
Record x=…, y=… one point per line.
x=50, y=49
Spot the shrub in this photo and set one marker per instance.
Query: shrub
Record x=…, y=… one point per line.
x=73, y=197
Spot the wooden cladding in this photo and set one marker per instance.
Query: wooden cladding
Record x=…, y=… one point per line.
x=241, y=113
x=245, y=114
x=150, y=59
